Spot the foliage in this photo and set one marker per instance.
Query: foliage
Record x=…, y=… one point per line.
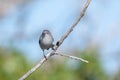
x=14, y=65
x=91, y=71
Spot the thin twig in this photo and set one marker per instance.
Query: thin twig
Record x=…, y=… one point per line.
x=72, y=57
x=76, y=22
x=57, y=45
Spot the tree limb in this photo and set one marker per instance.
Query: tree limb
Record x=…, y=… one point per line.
x=72, y=57
x=57, y=44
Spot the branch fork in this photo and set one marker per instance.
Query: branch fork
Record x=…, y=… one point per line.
x=53, y=52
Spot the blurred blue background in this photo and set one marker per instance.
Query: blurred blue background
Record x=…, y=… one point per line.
x=22, y=21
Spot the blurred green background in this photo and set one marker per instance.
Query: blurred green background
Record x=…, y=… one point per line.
x=14, y=65
x=96, y=38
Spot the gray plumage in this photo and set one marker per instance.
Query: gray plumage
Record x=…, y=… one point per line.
x=46, y=40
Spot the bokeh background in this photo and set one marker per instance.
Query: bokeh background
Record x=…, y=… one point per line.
x=96, y=38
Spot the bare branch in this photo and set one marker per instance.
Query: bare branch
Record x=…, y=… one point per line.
x=35, y=67
x=57, y=44
x=74, y=25
x=72, y=57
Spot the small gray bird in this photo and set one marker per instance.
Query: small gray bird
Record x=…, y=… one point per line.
x=46, y=41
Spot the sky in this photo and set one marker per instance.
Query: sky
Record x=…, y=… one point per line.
x=99, y=26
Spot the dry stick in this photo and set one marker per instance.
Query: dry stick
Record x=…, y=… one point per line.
x=58, y=44
x=74, y=25
x=72, y=57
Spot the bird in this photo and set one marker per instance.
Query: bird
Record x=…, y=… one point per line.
x=46, y=41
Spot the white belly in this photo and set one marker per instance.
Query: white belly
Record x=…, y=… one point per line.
x=46, y=42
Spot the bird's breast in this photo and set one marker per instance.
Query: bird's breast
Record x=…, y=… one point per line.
x=47, y=40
